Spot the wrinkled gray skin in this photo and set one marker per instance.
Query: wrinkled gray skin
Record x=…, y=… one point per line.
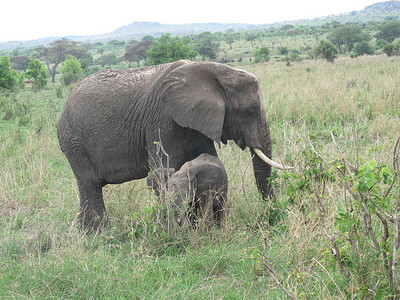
x=197, y=190
x=113, y=121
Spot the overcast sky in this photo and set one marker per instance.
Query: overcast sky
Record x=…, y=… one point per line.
x=33, y=19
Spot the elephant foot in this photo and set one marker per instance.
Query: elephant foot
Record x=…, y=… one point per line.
x=92, y=221
x=219, y=218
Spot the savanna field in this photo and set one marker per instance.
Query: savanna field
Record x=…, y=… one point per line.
x=322, y=237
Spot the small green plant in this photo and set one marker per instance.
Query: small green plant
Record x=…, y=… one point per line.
x=14, y=109
x=59, y=92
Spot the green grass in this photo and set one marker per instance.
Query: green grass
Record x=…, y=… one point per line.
x=43, y=255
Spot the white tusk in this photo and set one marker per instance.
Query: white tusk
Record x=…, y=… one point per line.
x=269, y=161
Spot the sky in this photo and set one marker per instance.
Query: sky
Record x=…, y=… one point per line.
x=33, y=19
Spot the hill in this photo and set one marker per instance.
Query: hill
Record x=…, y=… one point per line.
x=137, y=30
x=375, y=12
x=391, y=8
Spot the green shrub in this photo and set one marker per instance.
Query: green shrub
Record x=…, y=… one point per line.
x=364, y=48
x=9, y=79
x=261, y=55
x=38, y=72
x=327, y=50
x=71, y=70
x=390, y=49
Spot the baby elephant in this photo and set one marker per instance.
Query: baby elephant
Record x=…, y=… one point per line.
x=198, y=189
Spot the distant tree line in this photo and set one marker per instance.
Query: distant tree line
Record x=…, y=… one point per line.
x=72, y=60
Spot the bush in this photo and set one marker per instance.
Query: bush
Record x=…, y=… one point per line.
x=391, y=49
x=364, y=239
x=327, y=50
x=380, y=43
x=9, y=79
x=295, y=55
x=364, y=48
x=261, y=55
x=283, y=50
x=38, y=72
x=71, y=70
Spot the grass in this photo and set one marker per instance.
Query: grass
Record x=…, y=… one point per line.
x=43, y=255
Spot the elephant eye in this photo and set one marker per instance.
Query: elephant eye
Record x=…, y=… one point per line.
x=252, y=112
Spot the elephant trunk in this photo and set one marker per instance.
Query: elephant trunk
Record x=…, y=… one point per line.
x=262, y=162
x=262, y=174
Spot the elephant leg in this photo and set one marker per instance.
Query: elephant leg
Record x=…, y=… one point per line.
x=92, y=212
x=219, y=210
x=205, y=211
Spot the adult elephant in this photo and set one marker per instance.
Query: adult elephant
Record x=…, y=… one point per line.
x=114, y=122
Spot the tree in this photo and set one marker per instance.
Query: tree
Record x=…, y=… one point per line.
x=326, y=50
x=116, y=44
x=389, y=31
x=137, y=52
x=390, y=49
x=261, y=55
x=148, y=38
x=101, y=50
x=230, y=39
x=55, y=54
x=346, y=36
x=37, y=71
x=286, y=28
x=261, y=36
x=206, y=46
x=71, y=70
x=9, y=78
x=82, y=54
x=168, y=49
x=250, y=37
x=106, y=60
x=20, y=63
x=364, y=48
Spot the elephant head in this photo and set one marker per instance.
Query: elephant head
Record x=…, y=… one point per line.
x=223, y=104
x=198, y=189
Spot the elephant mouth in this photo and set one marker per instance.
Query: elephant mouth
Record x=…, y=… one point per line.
x=240, y=143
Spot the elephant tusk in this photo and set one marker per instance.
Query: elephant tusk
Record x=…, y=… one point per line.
x=269, y=161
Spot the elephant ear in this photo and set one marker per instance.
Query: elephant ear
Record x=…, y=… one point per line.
x=194, y=98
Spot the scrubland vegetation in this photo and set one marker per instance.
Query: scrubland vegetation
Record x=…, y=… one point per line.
x=43, y=255
x=330, y=233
